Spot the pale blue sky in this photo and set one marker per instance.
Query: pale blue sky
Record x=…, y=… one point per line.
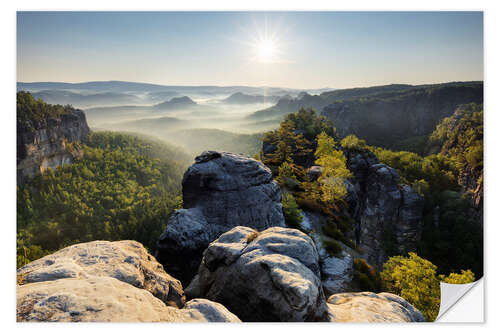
x=310, y=49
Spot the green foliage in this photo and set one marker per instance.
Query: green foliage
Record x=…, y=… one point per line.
x=291, y=211
x=31, y=111
x=415, y=279
x=352, y=142
x=438, y=171
x=462, y=278
x=123, y=188
x=452, y=238
x=332, y=247
x=365, y=277
x=334, y=172
x=286, y=175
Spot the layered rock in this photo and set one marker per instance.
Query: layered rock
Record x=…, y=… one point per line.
x=371, y=307
x=127, y=261
x=392, y=216
x=107, y=282
x=387, y=214
x=273, y=275
x=220, y=191
x=106, y=299
x=45, y=144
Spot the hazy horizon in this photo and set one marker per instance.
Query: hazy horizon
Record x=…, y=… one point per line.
x=297, y=50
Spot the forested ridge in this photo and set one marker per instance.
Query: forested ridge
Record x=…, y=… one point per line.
x=124, y=187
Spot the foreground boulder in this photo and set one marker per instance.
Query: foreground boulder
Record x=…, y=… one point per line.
x=371, y=307
x=127, y=261
x=220, y=191
x=106, y=299
x=271, y=275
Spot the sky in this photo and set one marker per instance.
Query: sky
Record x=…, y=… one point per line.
x=283, y=49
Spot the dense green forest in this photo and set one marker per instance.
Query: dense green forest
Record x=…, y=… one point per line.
x=30, y=110
x=124, y=187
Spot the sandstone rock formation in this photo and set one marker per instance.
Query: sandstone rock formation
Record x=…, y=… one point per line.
x=371, y=307
x=106, y=299
x=127, y=261
x=220, y=191
x=272, y=275
x=107, y=282
x=44, y=144
x=387, y=214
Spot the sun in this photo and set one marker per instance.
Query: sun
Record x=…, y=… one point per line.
x=266, y=49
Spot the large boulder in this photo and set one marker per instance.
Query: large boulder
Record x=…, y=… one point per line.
x=127, y=261
x=371, y=307
x=106, y=299
x=273, y=275
x=220, y=191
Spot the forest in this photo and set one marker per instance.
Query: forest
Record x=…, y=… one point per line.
x=124, y=187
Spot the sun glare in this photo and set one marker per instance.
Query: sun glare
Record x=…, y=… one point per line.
x=265, y=50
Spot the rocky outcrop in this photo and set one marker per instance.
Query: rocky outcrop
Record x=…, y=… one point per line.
x=387, y=214
x=209, y=311
x=220, y=191
x=47, y=143
x=391, y=219
x=127, y=261
x=371, y=307
x=106, y=299
x=273, y=275
x=105, y=281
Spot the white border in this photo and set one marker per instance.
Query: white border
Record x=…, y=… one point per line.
x=8, y=138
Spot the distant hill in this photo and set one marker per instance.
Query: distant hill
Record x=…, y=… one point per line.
x=241, y=98
x=137, y=87
x=150, y=125
x=85, y=100
x=176, y=103
x=389, y=117
x=288, y=104
x=382, y=115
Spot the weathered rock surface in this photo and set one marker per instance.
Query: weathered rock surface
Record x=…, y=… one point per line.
x=391, y=217
x=387, y=214
x=273, y=275
x=371, y=307
x=127, y=261
x=209, y=311
x=44, y=144
x=106, y=299
x=220, y=191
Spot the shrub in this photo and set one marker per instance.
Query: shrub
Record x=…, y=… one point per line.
x=332, y=247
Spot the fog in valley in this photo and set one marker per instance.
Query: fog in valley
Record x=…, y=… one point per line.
x=193, y=118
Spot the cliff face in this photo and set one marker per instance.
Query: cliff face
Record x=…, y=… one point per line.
x=47, y=143
x=383, y=120
x=387, y=214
